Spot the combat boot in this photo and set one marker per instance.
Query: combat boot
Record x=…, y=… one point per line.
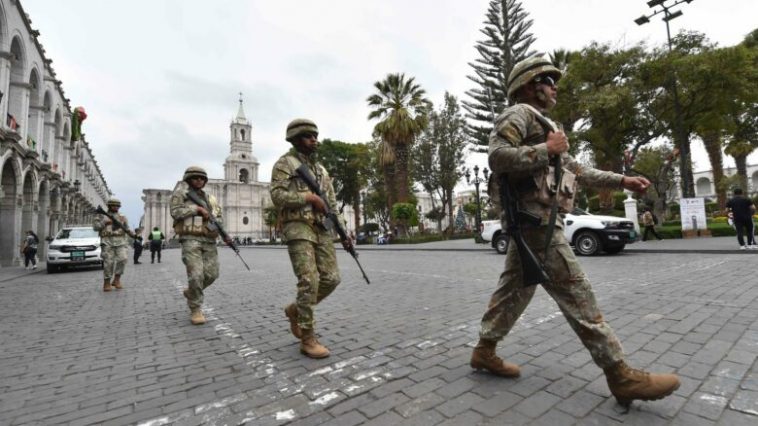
x=628, y=384
x=107, y=285
x=310, y=347
x=291, y=312
x=196, y=316
x=117, y=283
x=484, y=358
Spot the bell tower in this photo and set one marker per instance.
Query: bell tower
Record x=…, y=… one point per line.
x=240, y=165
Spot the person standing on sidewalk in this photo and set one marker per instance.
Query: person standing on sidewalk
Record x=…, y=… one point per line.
x=113, y=245
x=648, y=221
x=742, y=210
x=522, y=146
x=191, y=224
x=29, y=249
x=137, y=246
x=156, y=238
x=309, y=242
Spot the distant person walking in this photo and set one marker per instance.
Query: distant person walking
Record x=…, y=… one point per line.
x=113, y=245
x=29, y=249
x=649, y=222
x=156, y=243
x=742, y=210
x=137, y=244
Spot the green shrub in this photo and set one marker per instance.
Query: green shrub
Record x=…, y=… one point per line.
x=711, y=208
x=719, y=219
x=593, y=204
x=618, y=200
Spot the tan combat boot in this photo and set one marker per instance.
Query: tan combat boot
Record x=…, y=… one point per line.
x=484, y=357
x=117, y=282
x=107, y=285
x=291, y=312
x=627, y=384
x=196, y=316
x=310, y=347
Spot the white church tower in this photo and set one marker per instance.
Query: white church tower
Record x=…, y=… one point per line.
x=240, y=165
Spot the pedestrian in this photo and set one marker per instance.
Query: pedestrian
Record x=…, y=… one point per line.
x=156, y=238
x=197, y=239
x=742, y=210
x=137, y=245
x=309, y=241
x=29, y=249
x=113, y=245
x=522, y=146
x=649, y=222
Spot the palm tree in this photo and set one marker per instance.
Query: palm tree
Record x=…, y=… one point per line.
x=402, y=109
x=271, y=218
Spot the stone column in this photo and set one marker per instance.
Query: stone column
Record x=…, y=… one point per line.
x=630, y=209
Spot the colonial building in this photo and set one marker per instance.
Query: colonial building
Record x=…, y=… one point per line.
x=242, y=197
x=48, y=173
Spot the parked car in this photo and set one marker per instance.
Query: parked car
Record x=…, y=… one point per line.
x=589, y=234
x=74, y=246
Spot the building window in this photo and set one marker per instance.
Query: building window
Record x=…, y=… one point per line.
x=245, y=220
x=244, y=176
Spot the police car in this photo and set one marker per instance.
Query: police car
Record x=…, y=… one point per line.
x=74, y=246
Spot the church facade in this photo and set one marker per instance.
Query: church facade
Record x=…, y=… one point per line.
x=241, y=195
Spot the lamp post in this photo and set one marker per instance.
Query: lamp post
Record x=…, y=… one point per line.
x=680, y=135
x=476, y=181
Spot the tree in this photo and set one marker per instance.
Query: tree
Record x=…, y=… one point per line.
x=402, y=109
x=439, y=155
x=506, y=42
x=348, y=166
x=657, y=165
x=271, y=219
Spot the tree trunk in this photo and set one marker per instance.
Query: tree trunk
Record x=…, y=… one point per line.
x=401, y=172
x=741, y=162
x=357, y=210
x=449, y=196
x=712, y=142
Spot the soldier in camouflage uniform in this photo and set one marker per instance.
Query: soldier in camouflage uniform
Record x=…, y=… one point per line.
x=521, y=146
x=113, y=245
x=310, y=244
x=198, y=242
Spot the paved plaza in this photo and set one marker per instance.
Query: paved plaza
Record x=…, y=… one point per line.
x=74, y=355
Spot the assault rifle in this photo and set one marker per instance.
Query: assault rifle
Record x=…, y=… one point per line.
x=213, y=225
x=307, y=177
x=115, y=222
x=531, y=268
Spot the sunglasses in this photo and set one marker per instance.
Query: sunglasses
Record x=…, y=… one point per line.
x=545, y=79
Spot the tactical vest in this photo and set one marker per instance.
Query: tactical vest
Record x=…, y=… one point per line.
x=196, y=225
x=110, y=231
x=305, y=213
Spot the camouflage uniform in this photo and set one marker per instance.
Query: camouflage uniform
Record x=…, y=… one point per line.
x=113, y=245
x=199, y=252
x=517, y=147
x=310, y=244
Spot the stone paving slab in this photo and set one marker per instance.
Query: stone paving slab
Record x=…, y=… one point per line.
x=74, y=355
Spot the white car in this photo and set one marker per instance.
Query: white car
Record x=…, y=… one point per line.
x=74, y=246
x=589, y=234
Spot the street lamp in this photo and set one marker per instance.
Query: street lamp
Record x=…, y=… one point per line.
x=685, y=171
x=476, y=181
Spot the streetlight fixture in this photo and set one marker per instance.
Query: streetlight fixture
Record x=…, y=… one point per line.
x=476, y=181
x=680, y=136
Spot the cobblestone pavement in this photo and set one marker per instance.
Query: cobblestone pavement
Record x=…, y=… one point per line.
x=72, y=354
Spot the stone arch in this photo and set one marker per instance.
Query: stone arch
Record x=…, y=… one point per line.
x=242, y=134
x=703, y=186
x=244, y=176
x=3, y=25
x=28, y=199
x=67, y=133
x=17, y=81
x=55, y=210
x=35, y=116
x=9, y=175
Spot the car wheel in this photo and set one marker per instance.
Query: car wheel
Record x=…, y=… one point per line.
x=501, y=243
x=587, y=243
x=614, y=249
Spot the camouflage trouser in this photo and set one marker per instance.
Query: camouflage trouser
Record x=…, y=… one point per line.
x=568, y=287
x=201, y=260
x=114, y=260
x=315, y=265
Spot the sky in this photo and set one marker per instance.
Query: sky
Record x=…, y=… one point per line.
x=160, y=79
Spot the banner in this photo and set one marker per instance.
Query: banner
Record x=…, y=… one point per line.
x=692, y=213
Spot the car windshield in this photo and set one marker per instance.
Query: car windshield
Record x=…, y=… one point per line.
x=74, y=233
x=579, y=212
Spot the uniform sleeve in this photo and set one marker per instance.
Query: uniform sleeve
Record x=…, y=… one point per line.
x=281, y=195
x=506, y=152
x=179, y=208
x=98, y=223
x=590, y=176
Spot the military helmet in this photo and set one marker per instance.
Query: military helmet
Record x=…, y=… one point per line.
x=113, y=201
x=299, y=126
x=524, y=71
x=193, y=171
